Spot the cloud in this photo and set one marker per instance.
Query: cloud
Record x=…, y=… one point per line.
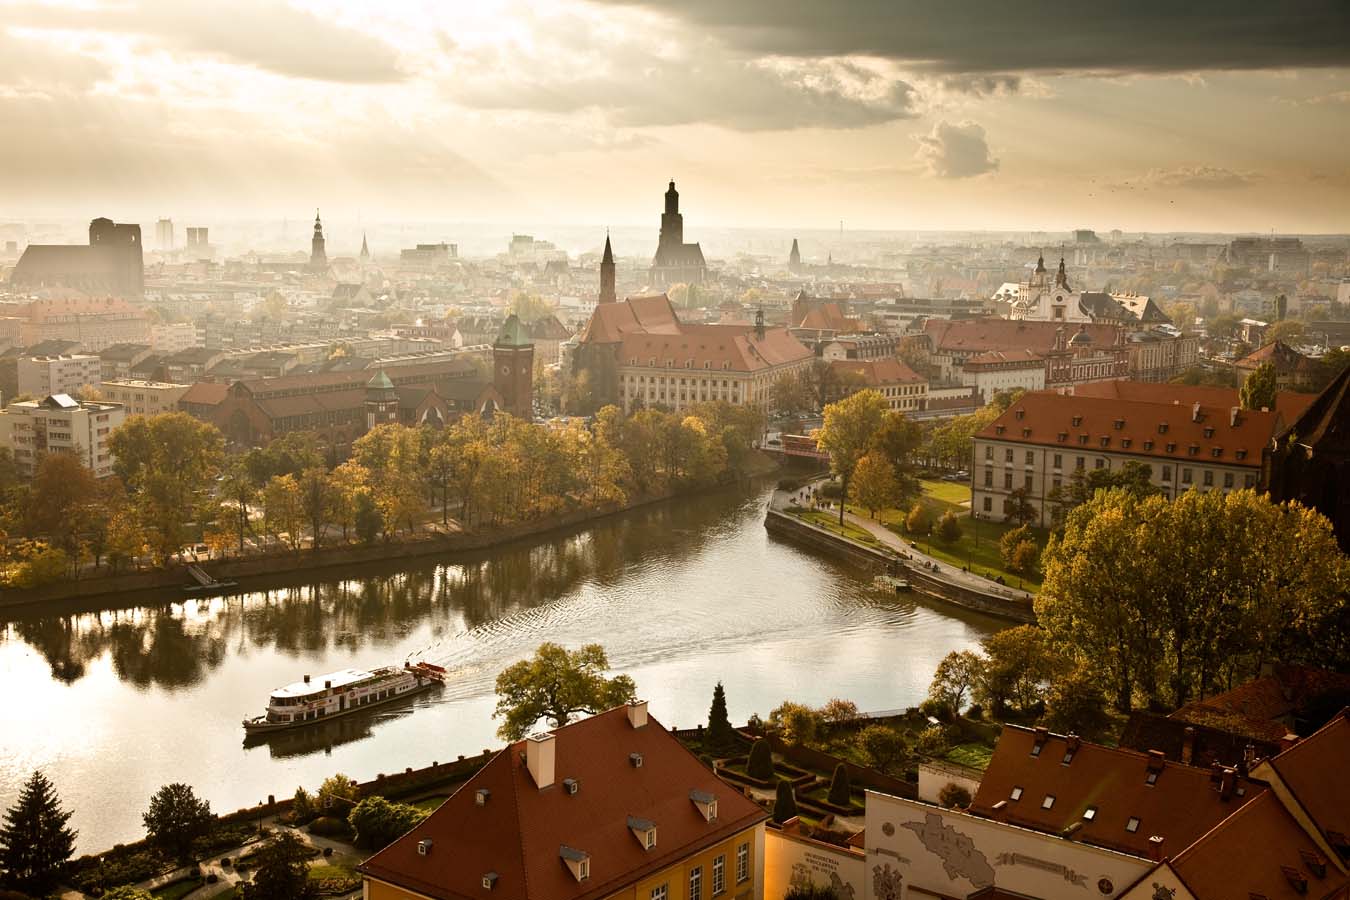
x=1035, y=35
x=1198, y=178
x=698, y=83
x=272, y=36
x=956, y=151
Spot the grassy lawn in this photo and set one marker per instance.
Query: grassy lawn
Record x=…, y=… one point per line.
x=430, y=804
x=829, y=520
x=976, y=756
x=982, y=556
x=177, y=889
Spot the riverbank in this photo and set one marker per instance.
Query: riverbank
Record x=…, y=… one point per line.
x=269, y=570
x=893, y=558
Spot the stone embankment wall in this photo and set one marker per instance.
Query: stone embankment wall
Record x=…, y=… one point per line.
x=881, y=561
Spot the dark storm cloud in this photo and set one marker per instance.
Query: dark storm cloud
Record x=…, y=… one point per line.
x=269, y=35
x=1155, y=36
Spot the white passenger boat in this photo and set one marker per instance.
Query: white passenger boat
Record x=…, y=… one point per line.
x=340, y=693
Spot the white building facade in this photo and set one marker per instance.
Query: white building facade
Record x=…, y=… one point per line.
x=60, y=424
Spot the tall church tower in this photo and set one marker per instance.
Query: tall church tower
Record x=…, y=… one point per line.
x=365, y=249
x=794, y=257
x=318, y=258
x=672, y=223
x=607, y=294
x=513, y=368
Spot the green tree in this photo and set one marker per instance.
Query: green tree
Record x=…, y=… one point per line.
x=176, y=818
x=378, y=823
x=795, y=722
x=337, y=792
x=283, y=871
x=1287, y=331
x=949, y=528
x=721, y=737
x=1076, y=705
x=874, y=487
x=1024, y=557
x=1019, y=508
x=841, y=791
x=127, y=892
x=759, y=764
x=35, y=842
x=238, y=492
x=883, y=747
x=62, y=500
x=284, y=509
x=785, y=802
x=1258, y=390
x=1008, y=543
x=954, y=796
x=1021, y=662
x=316, y=501
x=530, y=307
x=850, y=425
x=557, y=684
x=897, y=440
x=956, y=676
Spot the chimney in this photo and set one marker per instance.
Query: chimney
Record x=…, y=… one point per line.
x=540, y=754
x=1288, y=741
x=1187, y=745
x=1155, y=848
x=637, y=713
x=1226, y=782
x=1233, y=416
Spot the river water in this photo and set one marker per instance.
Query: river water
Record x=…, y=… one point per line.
x=114, y=703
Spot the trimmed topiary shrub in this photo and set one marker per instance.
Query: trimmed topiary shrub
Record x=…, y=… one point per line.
x=759, y=764
x=841, y=792
x=785, y=803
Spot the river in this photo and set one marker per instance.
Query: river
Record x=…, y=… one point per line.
x=112, y=704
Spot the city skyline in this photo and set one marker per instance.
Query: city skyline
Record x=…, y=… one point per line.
x=1211, y=119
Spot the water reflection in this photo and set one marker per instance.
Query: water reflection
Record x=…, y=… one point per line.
x=114, y=703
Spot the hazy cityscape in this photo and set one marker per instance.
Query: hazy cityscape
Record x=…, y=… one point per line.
x=627, y=450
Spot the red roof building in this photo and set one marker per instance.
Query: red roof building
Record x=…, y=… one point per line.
x=904, y=389
x=608, y=807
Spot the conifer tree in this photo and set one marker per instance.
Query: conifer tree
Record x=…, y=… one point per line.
x=785, y=803
x=35, y=842
x=841, y=792
x=720, y=735
x=760, y=762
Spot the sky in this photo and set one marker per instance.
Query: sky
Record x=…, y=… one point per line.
x=882, y=114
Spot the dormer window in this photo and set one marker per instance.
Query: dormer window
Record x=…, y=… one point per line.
x=1083, y=439
x=1119, y=423
x=1171, y=447
x=578, y=861
x=1077, y=420
x=571, y=786
x=706, y=804
x=1126, y=442
x=998, y=429
x=1209, y=431
x=1240, y=454
x=1162, y=428
x=1193, y=450
x=644, y=830
x=489, y=881
x=1216, y=452
x=1026, y=432
x=1062, y=436
x=1089, y=814
x=1048, y=802
x=1106, y=441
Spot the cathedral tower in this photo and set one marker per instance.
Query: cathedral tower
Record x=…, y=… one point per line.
x=318, y=257
x=672, y=223
x=513, y=368
x=607, y=294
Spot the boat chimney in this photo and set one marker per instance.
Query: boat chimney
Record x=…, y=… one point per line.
x=306, y=679
x=540, y=755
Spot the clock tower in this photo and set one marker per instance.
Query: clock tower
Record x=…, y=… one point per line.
x=513, y=368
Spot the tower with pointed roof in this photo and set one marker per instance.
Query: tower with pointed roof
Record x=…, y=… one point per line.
x=365, y=249
x=607, y=294
x=318, y=256
x=1062, y=277
x=794, y=257
x=513, y=368
x=675, y=261
x=381, y=401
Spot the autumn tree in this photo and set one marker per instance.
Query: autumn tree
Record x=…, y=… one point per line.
x=874, y=487
x=283, y=509
x=64, y=492
x=557, y=684
x=316, y=501
x=847, y=434
x=919, y=521
x=949, y=528
x=897, y=440
x=35, y=841
x=956, y=676
x=1019, y=664
x=1076, y=705
x=1258, y=390
x=883, y=747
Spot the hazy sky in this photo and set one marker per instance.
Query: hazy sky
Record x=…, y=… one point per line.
x=1149, y=115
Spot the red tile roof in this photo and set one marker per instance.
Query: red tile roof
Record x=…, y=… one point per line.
x=1183, y=803
x=879, y=372
x=205, y=393
x=1254, y=853
x=1289, y=403
x=974, y=336
x=650, y=314
x=1314, y=771
x=1096, y=423
x=1267, y=707
x=520, y=829
x=1285, y=358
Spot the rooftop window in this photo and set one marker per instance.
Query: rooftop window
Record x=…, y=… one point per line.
x=1016, y=793
x=1090, y=813
x=1132, y=825
x=1048, y=802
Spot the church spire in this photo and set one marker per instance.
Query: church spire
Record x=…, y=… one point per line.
x=365, y=249
x=607, y=294
x=1062, y=277
x=318, y=257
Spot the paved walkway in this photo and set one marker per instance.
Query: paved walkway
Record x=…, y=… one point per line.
x=936, y=568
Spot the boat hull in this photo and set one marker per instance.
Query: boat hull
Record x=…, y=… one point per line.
x=260, y=726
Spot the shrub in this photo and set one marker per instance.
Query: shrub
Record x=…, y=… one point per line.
x=882, y=746
x=975, y=713
x=1076, y=704
x=303, y=808
x=937, y=709
x=954, y=796
x=785, y=802
x=378, y=823
x=949, y=528
x=918, y=521
x=809, y=890
x=796, y=722
x=841, y=792
x=1007, y=544
x=830, y=490
x=839, y=712
x=759, y=764
x=933, y=742
x=128, y=892
x=330, y=826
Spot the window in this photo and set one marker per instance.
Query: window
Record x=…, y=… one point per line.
x=1132, y=825
x=1007, y=480
x=660, y=892
x=1057, y=482
x=719, y=874
x=1048, y=802
x=1089, y=814
x=1082, y=461
x=1100, y=463
x=1249, y=481
x=1059, y=460
x=1209, y=478
x=988, y=504
x=1228, y=479
x=1031, y=457
x=1151, y=779
x=1027, y=482
x=1036, y=749
x=1016, y=793
x=988, y=477
x=1008, y=455
x=1186, y=476
x=742, y=862
x=988, y=451
x=1167, y=473
x=696, y=883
